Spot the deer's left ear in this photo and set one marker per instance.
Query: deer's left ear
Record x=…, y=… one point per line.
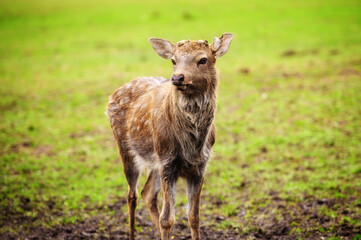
x=220, y=45
x=163, y=48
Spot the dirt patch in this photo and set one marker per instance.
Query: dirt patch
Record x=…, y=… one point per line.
x=8, y=106
x=110, y=226
x=28, y=145
x=43, y=150
x=22, y=145
x=280, y=219
x=350, y=72
x=308, y=219
x=244, y=71
x=291, y=52
x=288, y=53
x=291, y=75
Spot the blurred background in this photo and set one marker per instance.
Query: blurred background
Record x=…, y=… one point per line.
x=287, y=161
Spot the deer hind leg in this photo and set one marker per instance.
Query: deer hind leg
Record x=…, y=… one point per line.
x=194, y=187
x=150, y=195
x=132, y=175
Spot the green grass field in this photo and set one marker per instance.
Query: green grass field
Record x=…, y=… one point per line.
x=287, y=161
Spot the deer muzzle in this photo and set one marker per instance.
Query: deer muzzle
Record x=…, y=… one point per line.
x=178, y=80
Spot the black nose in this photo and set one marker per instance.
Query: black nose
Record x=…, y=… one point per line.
x=178, y=80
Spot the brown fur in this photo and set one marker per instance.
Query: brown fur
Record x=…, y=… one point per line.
x=169, y=130
x=192, y=46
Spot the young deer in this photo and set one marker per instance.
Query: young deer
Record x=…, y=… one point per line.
x=166, y=126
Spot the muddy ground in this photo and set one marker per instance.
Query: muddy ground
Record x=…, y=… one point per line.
x=302, y=219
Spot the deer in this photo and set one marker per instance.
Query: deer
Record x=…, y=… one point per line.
x=166, y=126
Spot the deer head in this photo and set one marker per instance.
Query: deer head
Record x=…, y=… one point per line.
x=193, y=61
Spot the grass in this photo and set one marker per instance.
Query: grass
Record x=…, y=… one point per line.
x=288, y=120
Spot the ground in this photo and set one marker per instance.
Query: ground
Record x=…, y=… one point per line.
x=287, y=159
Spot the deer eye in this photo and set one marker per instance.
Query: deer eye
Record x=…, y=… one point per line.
x=202, y=61
x=173, y=61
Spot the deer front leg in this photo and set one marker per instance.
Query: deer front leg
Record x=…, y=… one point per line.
x=167, y=217
x=194, y=187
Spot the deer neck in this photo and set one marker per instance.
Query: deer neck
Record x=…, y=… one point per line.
x=193, y=111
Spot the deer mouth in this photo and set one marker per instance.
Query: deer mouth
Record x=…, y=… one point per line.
x=182, y=87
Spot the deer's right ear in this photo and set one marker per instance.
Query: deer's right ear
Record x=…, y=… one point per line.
x=164, y=48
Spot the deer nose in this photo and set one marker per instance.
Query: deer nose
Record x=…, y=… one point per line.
x=177, y=79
